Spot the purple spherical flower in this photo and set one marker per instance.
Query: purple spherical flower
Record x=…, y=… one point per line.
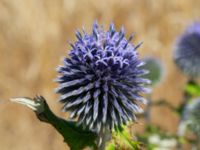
x=187, y=51
x=100, y=83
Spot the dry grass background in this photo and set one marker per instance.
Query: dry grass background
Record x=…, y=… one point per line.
x=34, y=35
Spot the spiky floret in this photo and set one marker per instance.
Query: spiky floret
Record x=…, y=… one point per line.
x=100, y=83
x=187, y=51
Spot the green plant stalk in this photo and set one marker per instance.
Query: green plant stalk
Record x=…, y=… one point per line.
x=122, y=140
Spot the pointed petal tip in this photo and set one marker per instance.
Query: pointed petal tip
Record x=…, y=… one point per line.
x=145, y=102
x=26, y=102
x=20, y=99
x=149, y=81
x=95, y=24
x=148, y=90
x=138, y=45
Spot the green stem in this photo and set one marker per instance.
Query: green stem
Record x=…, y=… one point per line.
x=73, y=135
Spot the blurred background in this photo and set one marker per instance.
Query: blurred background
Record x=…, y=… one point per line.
x=34, y=37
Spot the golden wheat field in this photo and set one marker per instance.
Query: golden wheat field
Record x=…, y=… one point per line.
x=34, y=36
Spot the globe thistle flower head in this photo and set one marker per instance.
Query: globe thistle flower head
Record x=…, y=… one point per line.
x=192, y=117
x=155, y=68
x=187, y=51
x=101, y=81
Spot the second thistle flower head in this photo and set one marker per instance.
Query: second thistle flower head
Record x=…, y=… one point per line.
x=187, y=52
x=100, y=83
x=192, y=116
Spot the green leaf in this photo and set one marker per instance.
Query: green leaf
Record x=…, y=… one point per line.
x=75, y=136
x=193, y=89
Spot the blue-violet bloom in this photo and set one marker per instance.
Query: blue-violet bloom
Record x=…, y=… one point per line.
x=187, y=51
x=100, y=82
